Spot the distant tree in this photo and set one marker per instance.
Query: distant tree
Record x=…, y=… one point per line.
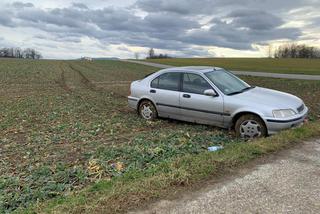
x=10, y=52
x=151, y=53
x=38, y=55
x=28, y=53
x=18, y=53
x=136, y=55
x=4, y=52
x=297, y=51
x=270, y=51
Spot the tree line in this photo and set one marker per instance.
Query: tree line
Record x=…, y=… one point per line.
x=153, y=55
x=297, y=51
x=28, y=53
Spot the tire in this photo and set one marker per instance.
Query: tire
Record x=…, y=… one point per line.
x=147, y=110
x=250, y=126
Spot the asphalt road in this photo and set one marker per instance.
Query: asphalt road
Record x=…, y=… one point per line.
x=246, y=73
x=289, y=182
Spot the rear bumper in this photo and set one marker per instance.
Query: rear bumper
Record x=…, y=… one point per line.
x=133, y=102
x=275, y=125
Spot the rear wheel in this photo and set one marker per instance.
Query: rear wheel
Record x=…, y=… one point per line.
x=147, y=110
x=250, y=126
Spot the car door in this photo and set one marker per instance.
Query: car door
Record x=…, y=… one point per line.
x=197, y=107
x=165, y=91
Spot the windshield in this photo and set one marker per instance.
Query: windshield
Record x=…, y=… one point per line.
x=228, y=83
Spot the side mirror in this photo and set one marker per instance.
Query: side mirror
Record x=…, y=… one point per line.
x=210, y=92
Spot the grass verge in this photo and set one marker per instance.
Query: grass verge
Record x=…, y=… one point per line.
x=140, y=186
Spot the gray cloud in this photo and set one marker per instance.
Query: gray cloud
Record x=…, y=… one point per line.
x=167, y=24
x=212, y=6
x=255, y=19
x=196, y=52
x=21, y=5
x=240, y=29
x=5, y=19
x=80, y=6
x=315, y=23
x=175, y=6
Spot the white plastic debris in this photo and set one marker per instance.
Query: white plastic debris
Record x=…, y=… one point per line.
x=214, y=148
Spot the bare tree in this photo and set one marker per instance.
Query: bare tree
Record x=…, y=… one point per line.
x=297, y=51
x=4, y=52
x=136, y=55
x=270, y=51
x=27, y=53
x=19, y=53
x=10, y=52
x=151, y=53
x=38, y=55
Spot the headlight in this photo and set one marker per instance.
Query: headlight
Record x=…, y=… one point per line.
x=283, y=113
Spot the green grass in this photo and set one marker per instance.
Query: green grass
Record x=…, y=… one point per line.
x=68, y=136
x=287, y=66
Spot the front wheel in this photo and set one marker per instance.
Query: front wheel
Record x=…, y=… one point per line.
x=147, y=110
x=250, y=126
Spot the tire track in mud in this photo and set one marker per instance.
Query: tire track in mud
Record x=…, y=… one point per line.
x=86, y=82
x=109, y=83
x=63, y=84
x=122, y=138
x=93, y=87
x=62, y=81
x=90, y=86
x=84, y=79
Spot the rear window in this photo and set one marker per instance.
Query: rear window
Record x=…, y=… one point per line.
x=167, y=81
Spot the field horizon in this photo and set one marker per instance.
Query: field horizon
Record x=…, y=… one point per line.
x=286, y=66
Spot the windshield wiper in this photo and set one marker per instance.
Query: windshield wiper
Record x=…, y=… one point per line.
x=241, y=91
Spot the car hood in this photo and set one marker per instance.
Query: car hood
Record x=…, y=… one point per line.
x=271, y=98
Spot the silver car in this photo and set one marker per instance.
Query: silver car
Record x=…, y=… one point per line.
x=214, y=96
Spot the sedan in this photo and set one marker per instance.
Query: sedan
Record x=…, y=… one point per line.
x=214, y=96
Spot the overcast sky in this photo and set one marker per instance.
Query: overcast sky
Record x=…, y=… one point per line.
x=183, y=28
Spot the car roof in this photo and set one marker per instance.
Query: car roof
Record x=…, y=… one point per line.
x=201, y=69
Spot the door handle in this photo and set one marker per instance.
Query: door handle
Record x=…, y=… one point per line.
x=186, y=95
x=153, y=91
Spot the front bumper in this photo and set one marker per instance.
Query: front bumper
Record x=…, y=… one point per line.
x=275, y=125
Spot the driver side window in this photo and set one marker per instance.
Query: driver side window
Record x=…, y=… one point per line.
x=193, y=83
